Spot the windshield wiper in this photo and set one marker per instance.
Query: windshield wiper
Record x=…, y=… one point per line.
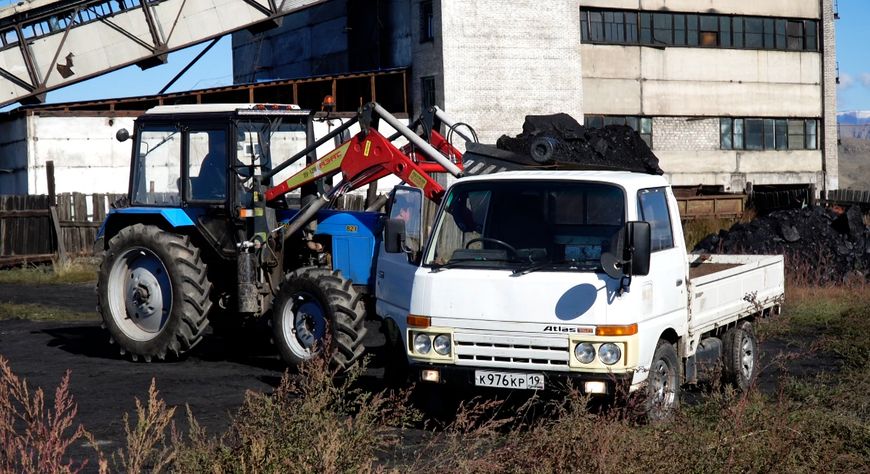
x=456, y=262
x=569, y=265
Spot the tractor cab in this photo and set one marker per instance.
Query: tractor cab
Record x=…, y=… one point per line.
x=202, y=160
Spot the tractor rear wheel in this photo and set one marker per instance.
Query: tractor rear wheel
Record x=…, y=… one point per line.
x=311, y=303
x=153, y=292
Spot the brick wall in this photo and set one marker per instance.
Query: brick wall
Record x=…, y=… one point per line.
x=829, y=121
x=685, y=134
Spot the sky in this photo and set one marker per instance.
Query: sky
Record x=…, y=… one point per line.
x=215, y=68
x=853, y=55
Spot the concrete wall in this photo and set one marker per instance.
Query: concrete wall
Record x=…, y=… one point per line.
x=87, y=157
x=500, y=65
x=732, y=169
x=783, y=8
x=632, y=80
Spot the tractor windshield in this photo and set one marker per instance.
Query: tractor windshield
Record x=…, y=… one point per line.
x=521, y=225
x=157, y=175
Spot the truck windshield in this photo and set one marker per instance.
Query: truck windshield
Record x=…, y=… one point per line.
x=523, y=224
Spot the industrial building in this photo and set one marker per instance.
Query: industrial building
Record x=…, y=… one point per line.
x=727, y=93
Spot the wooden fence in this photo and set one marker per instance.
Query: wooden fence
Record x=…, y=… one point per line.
x=30, y=226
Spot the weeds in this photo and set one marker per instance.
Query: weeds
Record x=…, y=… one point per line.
x=38, y=312
x=146, y=446
x=56, y=273
x=35, y=438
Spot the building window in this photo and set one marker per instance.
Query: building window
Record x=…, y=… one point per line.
x=641, y=125
x=427, y=22
x=699, y=30
x=768, y=134
x=427, y=91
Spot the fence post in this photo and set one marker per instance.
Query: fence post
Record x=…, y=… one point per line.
x=52, y=207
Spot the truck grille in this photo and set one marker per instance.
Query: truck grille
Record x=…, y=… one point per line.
x=514, y=352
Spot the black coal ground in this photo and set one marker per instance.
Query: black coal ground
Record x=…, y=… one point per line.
x=818, y=243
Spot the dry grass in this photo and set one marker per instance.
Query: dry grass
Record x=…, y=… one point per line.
x=82, y=271
x=38, y=312
x=35, y=438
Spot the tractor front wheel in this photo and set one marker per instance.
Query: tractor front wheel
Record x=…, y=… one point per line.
x=153, y=292
x=311, y=304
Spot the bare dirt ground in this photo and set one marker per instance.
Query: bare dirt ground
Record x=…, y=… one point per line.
x=212, y=380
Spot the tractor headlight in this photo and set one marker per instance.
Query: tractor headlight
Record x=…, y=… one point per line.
x=609, y=353
x=422, y=344
x=584, y=352
x=442, y=344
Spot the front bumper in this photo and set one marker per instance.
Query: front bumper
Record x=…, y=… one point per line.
x=554, y=381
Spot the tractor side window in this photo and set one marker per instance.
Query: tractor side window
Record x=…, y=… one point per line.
x=157, y=174
x=408, y=206
x=654, y=209
x=207, y=165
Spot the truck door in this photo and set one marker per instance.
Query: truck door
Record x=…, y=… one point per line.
x=668, y=256
x=395, y=271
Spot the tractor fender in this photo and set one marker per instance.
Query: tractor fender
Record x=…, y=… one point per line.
x=117, y=219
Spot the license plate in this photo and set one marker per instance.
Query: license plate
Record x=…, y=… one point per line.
x=488, y=378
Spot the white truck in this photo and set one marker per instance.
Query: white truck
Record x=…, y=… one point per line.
x=533, y=277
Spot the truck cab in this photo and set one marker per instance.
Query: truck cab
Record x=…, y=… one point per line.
x=529, y=277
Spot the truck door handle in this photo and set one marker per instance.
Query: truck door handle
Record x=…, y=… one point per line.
x=680, y=282
x=380, y=274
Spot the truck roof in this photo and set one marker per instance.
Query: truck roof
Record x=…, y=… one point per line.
x=628, y=180
x=245, y=109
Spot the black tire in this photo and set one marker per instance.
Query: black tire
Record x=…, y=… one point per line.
x=397, y=370
x=177, y=270
x=663, y=383
x=740, y=356
x=342, y=311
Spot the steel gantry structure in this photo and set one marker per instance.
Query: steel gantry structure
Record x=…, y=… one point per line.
x=47, y=44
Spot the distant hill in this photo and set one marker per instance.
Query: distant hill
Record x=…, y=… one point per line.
x=855, y=117
x=855, y=124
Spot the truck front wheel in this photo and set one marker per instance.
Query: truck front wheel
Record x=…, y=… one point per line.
x=153, y=292
x=663, y=383
x=740, y=352
x=312, y=303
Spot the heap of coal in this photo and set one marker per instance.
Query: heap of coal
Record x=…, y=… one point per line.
x=551, y=139
x=820, y=244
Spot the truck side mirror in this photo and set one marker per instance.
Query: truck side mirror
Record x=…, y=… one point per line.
x=638, y=248
x=631, y=254
x=394, y=235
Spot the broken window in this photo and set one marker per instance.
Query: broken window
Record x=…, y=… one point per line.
x=663, y=28
x=427, y=91
x=795, y=31
x=427, y=22
x=709, y=35
x=768, y=134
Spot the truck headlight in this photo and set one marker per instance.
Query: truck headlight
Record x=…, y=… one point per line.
x=584, y=352
x=609, y=353
x=442, y=344
x=422, y=344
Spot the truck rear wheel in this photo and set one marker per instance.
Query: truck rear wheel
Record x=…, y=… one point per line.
x=663, y=383
x=153, y=292
x=740, y=353
x=312, y=303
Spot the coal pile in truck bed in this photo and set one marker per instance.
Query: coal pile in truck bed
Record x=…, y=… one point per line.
x=819, y=244
x=558, y=138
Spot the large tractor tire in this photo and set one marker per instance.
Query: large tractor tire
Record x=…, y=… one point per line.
x=311, y=303
x=153, y=293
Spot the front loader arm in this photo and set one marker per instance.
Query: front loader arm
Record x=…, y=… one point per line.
x=365, y=158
